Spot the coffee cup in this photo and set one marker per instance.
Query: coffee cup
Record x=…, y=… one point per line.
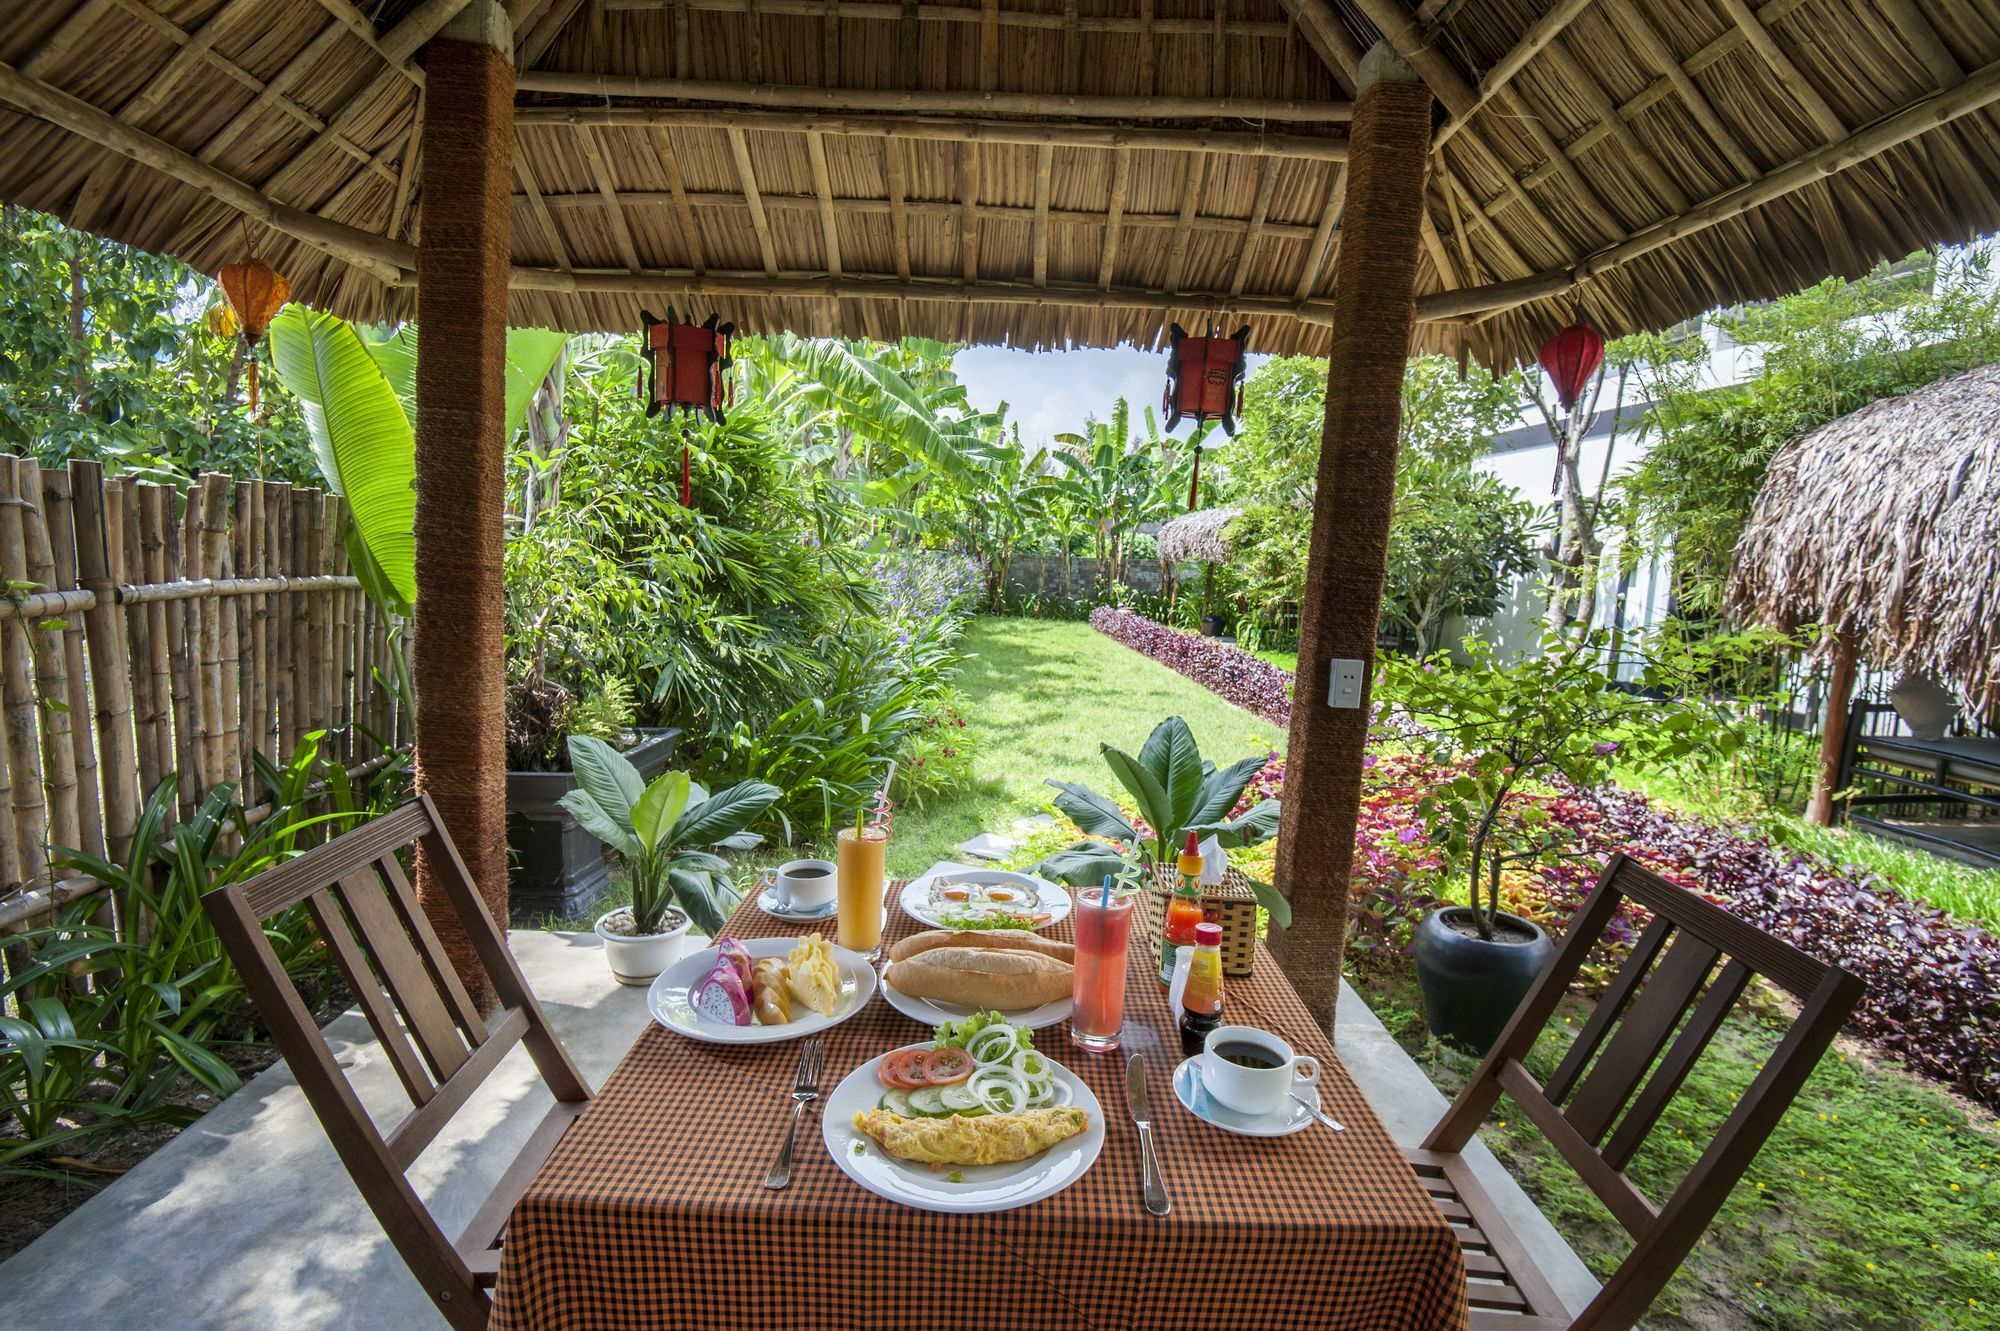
x=1253, y=1071
x=804, y=885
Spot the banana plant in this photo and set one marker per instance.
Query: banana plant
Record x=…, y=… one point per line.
x=1177, y=791
x=664, y=831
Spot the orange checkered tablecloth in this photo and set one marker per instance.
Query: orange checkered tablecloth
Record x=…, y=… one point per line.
x=652, y=1213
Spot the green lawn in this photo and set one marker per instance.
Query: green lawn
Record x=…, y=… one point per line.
x=1286, y=661
x=1041, y=696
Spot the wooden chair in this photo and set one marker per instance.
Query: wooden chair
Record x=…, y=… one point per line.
x=437, y=1041
x=1579, y=1109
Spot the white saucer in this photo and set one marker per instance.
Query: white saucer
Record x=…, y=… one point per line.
x=1197, y=1101
x=767, y=901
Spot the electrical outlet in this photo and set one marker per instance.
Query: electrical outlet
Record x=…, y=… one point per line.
x=1344, y=687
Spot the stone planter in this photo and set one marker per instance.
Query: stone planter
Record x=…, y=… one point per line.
x=1471, y=985
x=558, y=868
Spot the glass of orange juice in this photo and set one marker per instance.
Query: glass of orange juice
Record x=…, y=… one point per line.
x=860, y=883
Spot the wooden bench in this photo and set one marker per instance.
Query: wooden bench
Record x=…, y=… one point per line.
x=441, y=1047
x=1684, y=974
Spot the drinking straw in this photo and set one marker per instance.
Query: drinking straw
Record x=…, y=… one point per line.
x=1104, y=893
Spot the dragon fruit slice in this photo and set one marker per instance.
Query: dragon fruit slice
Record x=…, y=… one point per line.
x=736, y=956
x=722, y=997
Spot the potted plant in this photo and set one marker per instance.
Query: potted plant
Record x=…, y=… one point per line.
x=664, y=831
x=1176, y=793
x=1496, y=727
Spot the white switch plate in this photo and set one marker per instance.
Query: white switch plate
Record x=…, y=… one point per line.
x=1344, y=687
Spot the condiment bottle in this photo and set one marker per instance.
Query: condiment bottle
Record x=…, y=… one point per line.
x=1183, y=911
x=1201, y=1000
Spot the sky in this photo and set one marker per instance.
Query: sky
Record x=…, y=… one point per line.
x=1052, y=392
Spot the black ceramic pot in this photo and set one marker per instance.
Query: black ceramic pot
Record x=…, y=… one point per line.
x=1471, y=985
x=1211, y=625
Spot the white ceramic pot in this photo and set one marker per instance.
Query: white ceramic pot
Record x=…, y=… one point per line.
x=637, y=958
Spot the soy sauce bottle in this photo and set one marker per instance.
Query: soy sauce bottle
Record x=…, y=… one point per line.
x=1201, y=1001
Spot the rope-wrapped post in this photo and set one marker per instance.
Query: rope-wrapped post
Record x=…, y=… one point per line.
x=1374, y=315
x=459, y=662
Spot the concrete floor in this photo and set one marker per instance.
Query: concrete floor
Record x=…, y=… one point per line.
x=246, y=1221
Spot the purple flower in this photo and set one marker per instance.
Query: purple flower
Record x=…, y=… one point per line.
x=1409, y=835
x=1605, y=747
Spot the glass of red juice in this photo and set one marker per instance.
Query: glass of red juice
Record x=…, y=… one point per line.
x=1103, y=928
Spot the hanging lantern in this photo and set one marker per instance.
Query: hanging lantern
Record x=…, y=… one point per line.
x=1204, y=383
x=687, y=368
x=1570, y=358
x=256, y=292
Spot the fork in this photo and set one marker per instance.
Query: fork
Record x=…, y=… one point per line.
x=812, y=1062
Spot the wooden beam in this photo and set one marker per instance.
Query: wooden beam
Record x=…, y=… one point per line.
x=69, y=34
x=1321, y=247
x=383, y=259
x=406, y=173
x=1980, y=90
x=1327, y=35
x=746, y=174
x=1789, y=76
x=954, y=129
x=1581, y=192
x=1038, y=229
x=899, y=221
x=1398, y=27
x=1177, y=248
x=829, y=231
x=1260, y=207
x=600, y=173
x=893, y=11
x=255, y=115
x=200, y=43
x=1916, y=29
x=1671, y=197
x=1653, y=52
x=537, y=41
x=670, y=167
x=934, y=101
x=539, y=207
x=1534, y=41
x=1114, y=215
x=813, y=286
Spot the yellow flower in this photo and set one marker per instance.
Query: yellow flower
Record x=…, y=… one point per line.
x=1870, y=1265
x=1954, y=1187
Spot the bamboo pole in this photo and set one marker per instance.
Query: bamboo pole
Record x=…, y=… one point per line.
x=242, y=566
x=181, y=656
x=107, y=664
x=58, y=720
x=17, y=695
x=257, y=547
x=344, y=607
x=305, y=542
x=318, y=644
x=208, y=513
x=83, y=743
x=278, y=559
x=152, y=682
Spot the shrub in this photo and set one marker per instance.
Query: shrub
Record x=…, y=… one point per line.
x=1232, y=674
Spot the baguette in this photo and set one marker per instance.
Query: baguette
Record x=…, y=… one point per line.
x=995, y=939
x=1004, y=979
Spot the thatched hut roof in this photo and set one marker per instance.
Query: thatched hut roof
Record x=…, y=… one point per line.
x=1885, y=525
x=1197, y=535
x=1031, y=172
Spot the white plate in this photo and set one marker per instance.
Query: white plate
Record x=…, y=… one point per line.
x=916, y=894
x=767, y=901
x=931, y=1012
x=983, y=1187
x=668, y=1001
x=1197, y=1101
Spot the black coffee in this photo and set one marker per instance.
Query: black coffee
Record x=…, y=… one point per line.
x=1245, y=1055
x=813, y=871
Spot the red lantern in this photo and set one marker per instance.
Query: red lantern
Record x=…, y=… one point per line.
x=1570, y=358
x=687, y=366
x=1205, y=377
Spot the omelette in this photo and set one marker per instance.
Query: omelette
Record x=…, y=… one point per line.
x=994, y=1139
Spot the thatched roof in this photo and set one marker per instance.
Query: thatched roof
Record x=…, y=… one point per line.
x=1197, y=535
x=1035, y=172
x=1885, y=524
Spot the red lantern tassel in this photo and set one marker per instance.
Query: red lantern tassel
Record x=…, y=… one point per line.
x=687, y=485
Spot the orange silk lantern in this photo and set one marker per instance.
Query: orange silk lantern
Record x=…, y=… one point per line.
x=256, y=292
x=1204, y=383
x=687, y=367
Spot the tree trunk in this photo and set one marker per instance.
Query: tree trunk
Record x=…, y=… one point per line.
x=1833, y=732
x=1374, y=314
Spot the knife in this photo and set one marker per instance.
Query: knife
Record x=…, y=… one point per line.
x=1135, y=1101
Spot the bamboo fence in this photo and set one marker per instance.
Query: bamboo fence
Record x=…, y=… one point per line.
x=147, y=630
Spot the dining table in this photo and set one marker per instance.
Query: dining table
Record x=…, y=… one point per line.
x=652, y=1211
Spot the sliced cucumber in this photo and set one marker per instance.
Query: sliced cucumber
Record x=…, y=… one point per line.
x=957, y=1098
x=897, y=1103
x=928, y=1102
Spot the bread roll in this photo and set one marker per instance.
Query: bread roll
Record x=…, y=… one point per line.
x=1007, y=979
x=999, y=939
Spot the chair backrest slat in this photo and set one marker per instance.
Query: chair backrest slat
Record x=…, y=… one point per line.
x=456, y=998
x=416, y=1132
x=410, y=986
x=366, y=987
x=290, y=883
x=1668, y=994
x=1610, y=1007
x=1660, y=1013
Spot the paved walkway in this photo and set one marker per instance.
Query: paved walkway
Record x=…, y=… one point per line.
x=246, y=1221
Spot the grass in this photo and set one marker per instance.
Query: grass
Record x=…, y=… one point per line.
x=1875, y=1203
x=1286, y=661
x=1041, y=696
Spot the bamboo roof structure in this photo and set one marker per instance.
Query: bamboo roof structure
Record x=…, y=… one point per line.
x=1030, y=172
x=1885, y=527
x=1197, y=535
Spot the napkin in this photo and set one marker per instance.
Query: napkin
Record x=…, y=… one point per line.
x=1214, y=862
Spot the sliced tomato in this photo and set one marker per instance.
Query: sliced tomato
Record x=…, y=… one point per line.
x=918, y=1070
x=895, y=1070
x=947, y=1067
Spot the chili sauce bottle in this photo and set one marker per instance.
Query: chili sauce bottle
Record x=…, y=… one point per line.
x=1183, y=911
